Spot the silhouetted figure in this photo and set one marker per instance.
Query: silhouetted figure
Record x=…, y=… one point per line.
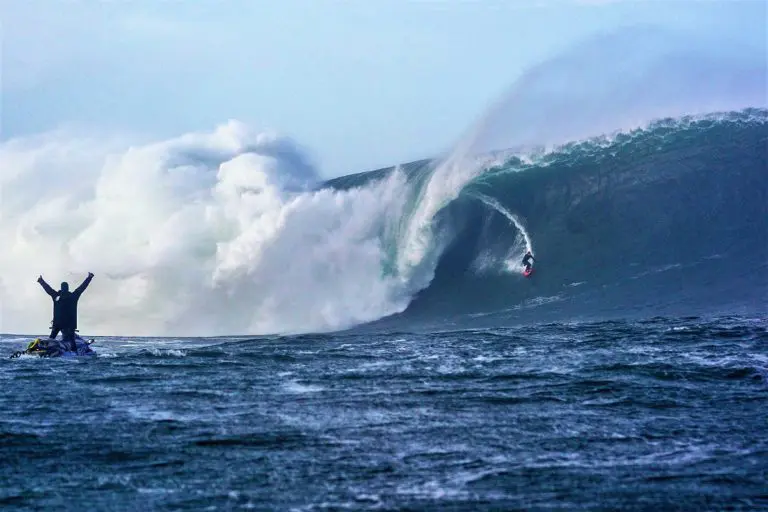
x=527, y=260
x=65, y=309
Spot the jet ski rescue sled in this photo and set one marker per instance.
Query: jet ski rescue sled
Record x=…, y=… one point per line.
x=48, y=347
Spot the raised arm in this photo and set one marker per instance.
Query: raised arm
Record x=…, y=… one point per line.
x=80, y=289
x=50, y=291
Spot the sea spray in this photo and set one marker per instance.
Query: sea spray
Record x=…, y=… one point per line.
x=522, y=244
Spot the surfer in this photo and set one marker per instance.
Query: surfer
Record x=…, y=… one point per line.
x=65, y=309
x=527, y=261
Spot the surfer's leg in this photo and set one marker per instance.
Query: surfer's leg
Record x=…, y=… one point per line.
x=68, y=335
x=54, y=332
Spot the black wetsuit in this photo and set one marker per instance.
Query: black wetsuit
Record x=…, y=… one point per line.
x=65, y=310
x=527, y=261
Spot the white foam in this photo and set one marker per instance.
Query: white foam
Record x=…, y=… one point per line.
x=295, y=387
x=205, y=234
x=167, y=352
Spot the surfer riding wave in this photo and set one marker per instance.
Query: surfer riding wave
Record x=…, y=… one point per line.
x=527, y=262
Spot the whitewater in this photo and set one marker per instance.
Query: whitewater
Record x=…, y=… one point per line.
x=234, y=232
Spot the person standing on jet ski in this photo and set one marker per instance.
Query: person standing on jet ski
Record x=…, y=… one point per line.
x=527, y=260
x=65, y=309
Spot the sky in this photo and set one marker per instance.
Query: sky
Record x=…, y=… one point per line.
x=358, y=85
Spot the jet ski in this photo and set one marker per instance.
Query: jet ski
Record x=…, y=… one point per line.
x=47, y=347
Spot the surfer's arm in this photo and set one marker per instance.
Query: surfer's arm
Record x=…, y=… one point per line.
x=50, y=291
x=80, y=289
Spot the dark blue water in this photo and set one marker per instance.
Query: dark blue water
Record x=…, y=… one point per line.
x=658, y=414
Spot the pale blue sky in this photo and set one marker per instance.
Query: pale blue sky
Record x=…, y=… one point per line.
x=358, y=84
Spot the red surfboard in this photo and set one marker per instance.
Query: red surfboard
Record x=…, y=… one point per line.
x=527, y=272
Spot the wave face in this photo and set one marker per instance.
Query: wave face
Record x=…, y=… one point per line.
x=669, y=219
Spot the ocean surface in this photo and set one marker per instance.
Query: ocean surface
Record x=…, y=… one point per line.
x=661, y=414
x=629, y=372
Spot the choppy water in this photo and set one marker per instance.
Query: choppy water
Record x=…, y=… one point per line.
x=665, y=414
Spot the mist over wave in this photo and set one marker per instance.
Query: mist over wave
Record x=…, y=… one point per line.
x=622, y=80
x=231, y=232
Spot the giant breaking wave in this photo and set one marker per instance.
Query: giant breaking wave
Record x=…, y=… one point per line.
x=233, y=232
